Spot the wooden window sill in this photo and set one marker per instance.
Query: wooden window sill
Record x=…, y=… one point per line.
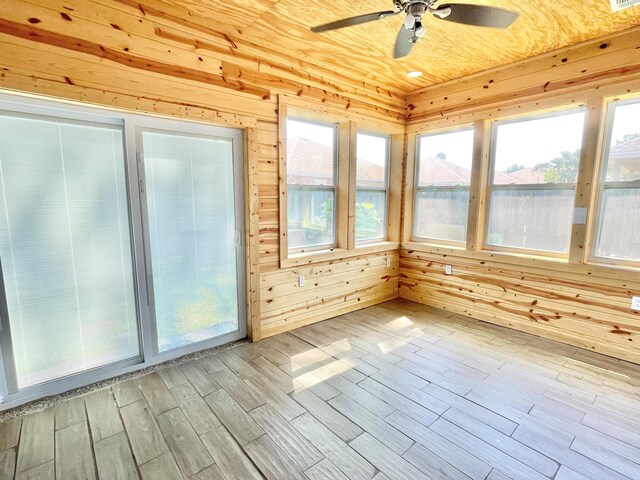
x=319, y=256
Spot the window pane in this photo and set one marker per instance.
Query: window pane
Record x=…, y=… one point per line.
x=623, y=163
x=619, y=232
x=373, y=158
x=190, y=198
x=531, y=219
x=371, y=214
x=541, y=150
x=310, y=153
x=65, y=247
x=310, y=217
x=445, y=159
x=442, y=214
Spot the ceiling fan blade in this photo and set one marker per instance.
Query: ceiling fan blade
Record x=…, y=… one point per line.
x=348, y=22
x=403, y=43
x=478, y=15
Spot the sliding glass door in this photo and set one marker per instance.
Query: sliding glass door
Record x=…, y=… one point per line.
x=65, y=247
x=191, y=233
x=121, y=243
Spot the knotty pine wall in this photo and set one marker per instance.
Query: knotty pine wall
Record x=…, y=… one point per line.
x=168, y=61
x=582, y=304
x=123, y=54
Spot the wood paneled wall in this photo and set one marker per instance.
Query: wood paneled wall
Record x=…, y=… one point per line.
x=126, y=55
x=582, y=304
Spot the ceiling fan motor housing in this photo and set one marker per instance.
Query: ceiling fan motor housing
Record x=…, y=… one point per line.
x=417, y=9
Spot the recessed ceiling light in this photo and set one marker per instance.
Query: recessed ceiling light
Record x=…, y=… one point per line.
x=414, y=74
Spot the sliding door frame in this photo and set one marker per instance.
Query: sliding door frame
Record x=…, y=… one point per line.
x=142, y=277
x=136, y=150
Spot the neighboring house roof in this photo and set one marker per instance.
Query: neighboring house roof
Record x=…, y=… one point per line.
x=526, y=176
x=436, y=171
x=624, y=161
x=306, y=157
x=312, y=163
x=629, y=149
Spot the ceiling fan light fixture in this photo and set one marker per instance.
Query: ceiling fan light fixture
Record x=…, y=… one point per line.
x=442, y=12
x=414, y=74
x=409, y=22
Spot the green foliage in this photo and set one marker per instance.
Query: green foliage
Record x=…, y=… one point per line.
x=513, y=168
x=207, y=306
x=198, y=313
x=441, y=156
x=326, y=220
x=562, y=169
x=627, y=137
x=368, y=220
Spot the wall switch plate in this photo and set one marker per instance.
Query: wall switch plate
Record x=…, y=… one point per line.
x=388, y=262
x=448, y=270
x=580, y=216
x=635, y=303
x=301, y=281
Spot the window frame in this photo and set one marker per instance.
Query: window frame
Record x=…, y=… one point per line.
x=426, y=188
x=602, y=184
x=385, y=189
x=491, y=187
x=585, y=206
x=349, y=123
x=319, y=188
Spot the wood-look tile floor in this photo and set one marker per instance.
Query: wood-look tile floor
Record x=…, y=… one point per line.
x=395, y=391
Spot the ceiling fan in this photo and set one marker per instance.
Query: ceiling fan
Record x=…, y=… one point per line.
x=413, y=29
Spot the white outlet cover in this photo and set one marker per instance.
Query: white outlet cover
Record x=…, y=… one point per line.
x=635, y=303
x=388, y=262
x=448, y=270
x=580, y=216
x=301, y=280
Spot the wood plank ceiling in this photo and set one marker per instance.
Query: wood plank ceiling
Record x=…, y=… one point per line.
x=364, y=52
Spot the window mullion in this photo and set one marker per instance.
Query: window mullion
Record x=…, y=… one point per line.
x=586, y=189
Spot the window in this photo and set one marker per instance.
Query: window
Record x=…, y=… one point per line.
x=618, y=226
x=534, y=170
x=339, y=178
x=443, y=176
x=372, y=186
x=65, y=246
x=311, y=185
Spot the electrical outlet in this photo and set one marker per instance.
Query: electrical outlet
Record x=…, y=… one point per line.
x=635, y=303
x=448, y=270
x=301, y=281
x=388, y=262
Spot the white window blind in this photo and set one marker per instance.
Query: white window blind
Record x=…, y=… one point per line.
x=190, y=202
x=65, y=246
